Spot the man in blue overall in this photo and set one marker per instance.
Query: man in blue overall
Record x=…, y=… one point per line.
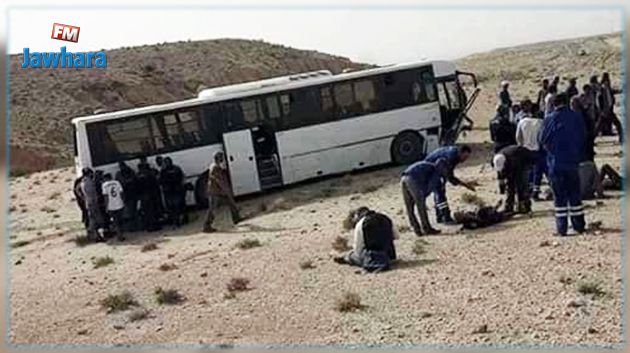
x=563, y=136
x=453, y=155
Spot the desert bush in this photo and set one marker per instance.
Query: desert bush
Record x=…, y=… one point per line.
x=306, y=264
x=420, y=247
x=118, y=302
x=102, y=261
x=48, y=209
x=20, y=243
x=349, y=302
x=340, y=244
x=168, y=296
x=167, y=267
x=248, y=244
x=591, y=287
x=138, y=314
x=82, y=240
x=149, y=247
x=55, y=195
x=238, y=284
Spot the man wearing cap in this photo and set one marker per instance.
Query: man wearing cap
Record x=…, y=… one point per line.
x=512, y=165
x=418, y=181
x=219, y=191
x=563, y=136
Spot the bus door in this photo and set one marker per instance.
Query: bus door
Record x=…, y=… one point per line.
x=454, y=105
x=241, y=160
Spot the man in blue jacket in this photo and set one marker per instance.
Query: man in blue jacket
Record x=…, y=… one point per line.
x=418, y=181
x=563, y=136
x=452, y=155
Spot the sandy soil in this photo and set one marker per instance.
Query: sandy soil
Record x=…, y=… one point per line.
x=516, y=278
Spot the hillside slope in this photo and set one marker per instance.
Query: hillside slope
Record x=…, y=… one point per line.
x=44, y=101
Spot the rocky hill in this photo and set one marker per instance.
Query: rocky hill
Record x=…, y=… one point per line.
x=44, y=101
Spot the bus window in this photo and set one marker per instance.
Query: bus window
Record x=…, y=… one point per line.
x=429, y=88
x=252, y=111
x=365, y=95
x=285, y=102
x=305, y=108
x=344, y=99
x=233, y=116
x=328, y=105
x=273, y=109
x=453, y=94
x=442, y=95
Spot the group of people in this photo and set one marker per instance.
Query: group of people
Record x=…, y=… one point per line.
x=142, y=200
x=553, y=137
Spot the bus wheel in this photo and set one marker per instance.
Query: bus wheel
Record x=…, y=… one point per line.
x=407, y=148
x=201, y=198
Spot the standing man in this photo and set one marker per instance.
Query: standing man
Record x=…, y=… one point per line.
x=129, y=182
x=527, y=132
x=512, y=165
x=113, y=193
x=150, y=198
x=92, y=203
x=502, y=131
x=542, y=93
x=80, y=197
x=608, y=116
x=172, y=182
x=587, y=102
x=453, y=155
x=572, y=90
x=504, y=95
x=219, y=191
x=418, y=181
x=551, y=94
x=563, y=137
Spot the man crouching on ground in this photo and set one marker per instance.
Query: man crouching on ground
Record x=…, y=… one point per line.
x=219, y=191
x=373, y=248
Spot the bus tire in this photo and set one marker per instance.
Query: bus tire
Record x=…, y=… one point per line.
x=407, y=147
x=201, y=198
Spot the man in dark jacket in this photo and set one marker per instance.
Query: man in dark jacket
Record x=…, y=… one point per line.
x=504, y=95
x=373, y=247
x=542, y=93
x=452, y=155
x=80, y=197
x=418, y=181
x=129, y=181
x=149, y=198
x=502, y=131
x=563, y=136
x=572, y=89
x=172, y=182
x=513, y=164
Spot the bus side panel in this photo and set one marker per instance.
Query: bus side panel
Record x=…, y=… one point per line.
x=340, y=146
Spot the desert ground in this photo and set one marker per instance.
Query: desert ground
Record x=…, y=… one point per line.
x=513, y=283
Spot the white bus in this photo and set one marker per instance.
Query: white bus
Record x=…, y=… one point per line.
x=285, y=130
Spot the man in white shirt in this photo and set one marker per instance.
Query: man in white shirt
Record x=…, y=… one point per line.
x=373, y=246
x=113, y=193
x=553, y=91
x=527, y=136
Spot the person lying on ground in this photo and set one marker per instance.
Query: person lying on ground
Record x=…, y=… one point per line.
x=481, y=217
x=373, y=246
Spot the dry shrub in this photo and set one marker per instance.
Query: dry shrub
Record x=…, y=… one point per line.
x=307, y=264
x=54, y=195
x=349, y=302
x=167, y=267
x=340, y=244
x=168, y=296
x=103, y=261
x=419, y=247
x=82, y=240
x=248, y=244
x=149, y=247
x=20, y=243
x=473, y=199
x=118, y=302
x=138, y=314
x=238, y=284
x=592, y=288
x=48, y=209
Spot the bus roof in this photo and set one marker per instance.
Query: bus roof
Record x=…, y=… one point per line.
x=440, y=69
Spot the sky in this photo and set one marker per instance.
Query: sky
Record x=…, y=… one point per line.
x=379, y=37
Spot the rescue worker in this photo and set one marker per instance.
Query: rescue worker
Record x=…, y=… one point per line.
x=94, y=211
x=113, y=194
x=527, y=132
x=453, y=155
x=129, y=182
x=80, y=198
x=373, y=246
x=502, y=131
x=172, y=183
x=563, y=137
x=149, y=198
x=512, y=164
x=418, y=181
x=219, y=191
